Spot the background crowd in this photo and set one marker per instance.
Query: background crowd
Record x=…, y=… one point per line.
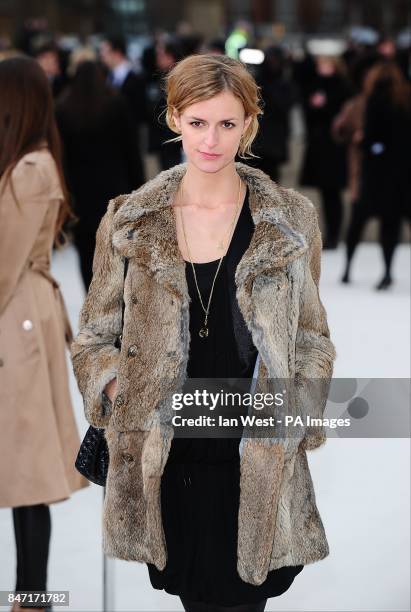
x=354, y=97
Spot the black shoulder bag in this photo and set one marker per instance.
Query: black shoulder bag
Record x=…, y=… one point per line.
x=93, y=457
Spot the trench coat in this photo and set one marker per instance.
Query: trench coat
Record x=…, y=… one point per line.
x=277, y=291
x=38, y=435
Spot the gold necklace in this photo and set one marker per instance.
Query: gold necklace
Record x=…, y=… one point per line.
x=203, y=332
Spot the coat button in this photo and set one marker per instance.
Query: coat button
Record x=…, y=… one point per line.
x=127, y=458
x=27, y=325
x=132, y=350
x=119, y=400
x=134, y=299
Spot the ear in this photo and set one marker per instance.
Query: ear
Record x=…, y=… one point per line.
x=247, y=122
x=176, y=119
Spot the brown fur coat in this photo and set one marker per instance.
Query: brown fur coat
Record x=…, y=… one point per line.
x=277, y=291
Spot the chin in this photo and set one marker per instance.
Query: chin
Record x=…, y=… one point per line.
x=210, y=167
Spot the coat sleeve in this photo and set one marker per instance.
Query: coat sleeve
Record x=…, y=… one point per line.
x=315, y=352
x=20, y=222
x=94, y=353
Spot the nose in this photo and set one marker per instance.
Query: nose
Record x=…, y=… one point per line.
x=211, y=138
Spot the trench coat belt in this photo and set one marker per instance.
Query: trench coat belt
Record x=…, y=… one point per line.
x=42, y=267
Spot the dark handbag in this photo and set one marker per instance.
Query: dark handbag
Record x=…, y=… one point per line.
x=93, y=456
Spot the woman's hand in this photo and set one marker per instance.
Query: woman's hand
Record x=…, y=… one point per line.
x=111, y=389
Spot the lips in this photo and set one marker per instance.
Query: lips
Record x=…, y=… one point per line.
x=209, y=155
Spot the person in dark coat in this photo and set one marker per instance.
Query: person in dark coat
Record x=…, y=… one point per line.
x=385, y=183
x=168, y=153
x=123, y=77
x=49, y=56
x=101, y=156
x=278, y=94
x=324, y=163
x=348, y=125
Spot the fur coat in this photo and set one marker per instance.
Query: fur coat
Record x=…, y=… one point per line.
x=277, y=283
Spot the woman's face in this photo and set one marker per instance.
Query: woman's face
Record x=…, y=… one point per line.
x=211, y=131
x=325, y=66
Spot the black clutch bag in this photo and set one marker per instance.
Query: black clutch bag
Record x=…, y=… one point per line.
x=93, y=456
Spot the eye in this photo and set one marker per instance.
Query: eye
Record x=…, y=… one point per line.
x=229, y=124
x=195, y=123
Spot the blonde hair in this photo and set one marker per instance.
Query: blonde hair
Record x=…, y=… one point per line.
x=200, y=77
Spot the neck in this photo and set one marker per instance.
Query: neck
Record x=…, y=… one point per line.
x=210, y=189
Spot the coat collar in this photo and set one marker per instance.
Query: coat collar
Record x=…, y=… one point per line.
x=144, y=228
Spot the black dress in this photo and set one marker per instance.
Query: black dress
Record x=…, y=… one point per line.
x=200, y=486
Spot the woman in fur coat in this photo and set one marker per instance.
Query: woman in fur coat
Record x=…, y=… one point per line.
x=222, y=283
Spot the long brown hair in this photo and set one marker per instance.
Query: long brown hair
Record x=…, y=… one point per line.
x=388, y=73
x=27, y=120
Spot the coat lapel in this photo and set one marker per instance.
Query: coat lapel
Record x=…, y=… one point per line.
x=145, y=230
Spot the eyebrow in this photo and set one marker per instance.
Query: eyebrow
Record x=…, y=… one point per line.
x=198, y=119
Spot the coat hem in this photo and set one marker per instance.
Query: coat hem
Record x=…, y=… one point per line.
x=42, y=500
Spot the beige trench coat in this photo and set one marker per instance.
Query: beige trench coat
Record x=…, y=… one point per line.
x=38, y=435
x=277, y=283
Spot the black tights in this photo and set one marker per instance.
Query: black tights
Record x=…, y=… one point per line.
x=333, y=213
x=389, y=234
x=32, y=530
x=199, y=606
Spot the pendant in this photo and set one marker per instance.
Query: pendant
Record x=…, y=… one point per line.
x=203, y=333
